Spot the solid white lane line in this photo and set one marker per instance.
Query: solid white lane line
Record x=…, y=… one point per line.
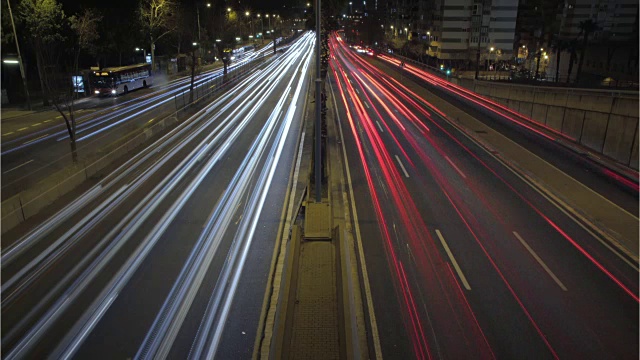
x=32, y=140
x=539, y=260
x=455, y=167
x=453, y=261
x=19, y=166
x=379, y=126
x=402, y=166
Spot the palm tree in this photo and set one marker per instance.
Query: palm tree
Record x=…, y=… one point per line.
x=559, y=46
x=586, y=28
x=572, y=49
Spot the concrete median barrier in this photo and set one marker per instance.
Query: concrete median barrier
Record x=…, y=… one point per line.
x=572, y=125
x=620, y=137
x=595, y=124
x=605, y=121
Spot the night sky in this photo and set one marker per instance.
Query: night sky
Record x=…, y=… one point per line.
x=73, y=6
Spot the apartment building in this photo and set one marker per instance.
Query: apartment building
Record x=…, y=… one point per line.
x=461, y=27
x=612, y=51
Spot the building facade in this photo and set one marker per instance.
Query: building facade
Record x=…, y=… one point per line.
x=612, y=50
x=458, y=29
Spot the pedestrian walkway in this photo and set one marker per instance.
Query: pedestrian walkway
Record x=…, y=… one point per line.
x=8, y=113
x=315, y=332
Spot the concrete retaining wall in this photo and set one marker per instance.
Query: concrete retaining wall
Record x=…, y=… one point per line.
x=605, y=121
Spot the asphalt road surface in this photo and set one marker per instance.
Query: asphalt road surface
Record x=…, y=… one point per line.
x=37, y=144
x=466, y=260
x=168, y=255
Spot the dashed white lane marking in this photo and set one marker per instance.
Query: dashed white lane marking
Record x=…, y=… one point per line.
x=539, y=260
x=453, y=261
x=402, y=166
x=455, y=167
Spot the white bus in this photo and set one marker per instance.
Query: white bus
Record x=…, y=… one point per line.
x=121, y=80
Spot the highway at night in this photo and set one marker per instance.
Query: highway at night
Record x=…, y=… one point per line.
x=331, y=196
x=465, y=258
x=154, y=259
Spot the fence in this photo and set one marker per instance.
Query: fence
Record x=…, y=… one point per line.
x=211, y=87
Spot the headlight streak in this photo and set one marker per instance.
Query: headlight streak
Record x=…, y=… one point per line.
x=420, y=238
x=172, y=88
x=109, y=115
x=56, y=245
x=31, y=238
x=28, y=240
x=75, y=337
x=162, y=334
x=64, y=301
x=274, y=159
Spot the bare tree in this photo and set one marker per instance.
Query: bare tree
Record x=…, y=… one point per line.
x=84, y=27
x=158, y=20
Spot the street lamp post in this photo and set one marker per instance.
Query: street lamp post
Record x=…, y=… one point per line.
x=268, y=17
x=538, y=63
x=144, y=53
x=490, y=53
x=262, y=29
x=22, y=73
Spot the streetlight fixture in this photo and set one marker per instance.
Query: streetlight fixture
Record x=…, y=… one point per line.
x=8, y=61
x=261, y=28
x=194, y=44
x=228, y=9
x=22, y=72
x=144, y=53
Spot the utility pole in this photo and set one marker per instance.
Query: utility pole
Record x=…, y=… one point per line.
x=24, y=78
x=318, y=155
x=478, y=51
